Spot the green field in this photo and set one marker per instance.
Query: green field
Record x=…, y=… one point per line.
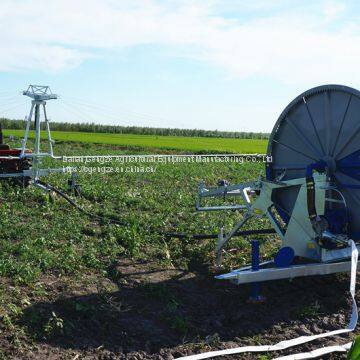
x=51, y=252
x=80, y=287
x=194, y=144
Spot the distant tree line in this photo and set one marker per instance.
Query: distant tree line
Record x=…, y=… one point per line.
x=138, y=130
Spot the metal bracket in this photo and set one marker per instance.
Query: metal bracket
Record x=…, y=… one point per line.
x=246, y=275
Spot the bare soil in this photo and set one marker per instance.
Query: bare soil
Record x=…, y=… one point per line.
x=147, y=311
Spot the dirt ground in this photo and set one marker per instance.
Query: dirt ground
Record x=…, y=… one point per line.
x=148, y=312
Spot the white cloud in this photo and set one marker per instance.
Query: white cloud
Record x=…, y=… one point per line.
x=291, y=45
x=333, y=9
x=53, y=58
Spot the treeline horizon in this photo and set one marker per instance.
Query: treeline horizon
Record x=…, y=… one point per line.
x=13, y=124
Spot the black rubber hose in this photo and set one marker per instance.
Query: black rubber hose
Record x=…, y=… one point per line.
x=215, y=236
x=168, y=235
x=310, y=197
x=77, y=206
x=310, y=189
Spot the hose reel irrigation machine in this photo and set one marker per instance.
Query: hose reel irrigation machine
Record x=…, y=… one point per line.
x=311, y=192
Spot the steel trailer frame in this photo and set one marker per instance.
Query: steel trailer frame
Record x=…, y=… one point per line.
x=268, y=271
x=299, y=234
x=39, y=95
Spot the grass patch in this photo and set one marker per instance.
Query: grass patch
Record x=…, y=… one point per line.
x=196, y=144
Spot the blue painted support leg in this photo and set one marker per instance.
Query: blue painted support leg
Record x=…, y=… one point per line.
x=255, y=296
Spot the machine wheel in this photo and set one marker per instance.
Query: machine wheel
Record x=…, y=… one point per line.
x=321, y=124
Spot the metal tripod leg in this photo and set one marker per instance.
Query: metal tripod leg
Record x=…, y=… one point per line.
x=24, y=140
x=50, y=140
x=223, y=240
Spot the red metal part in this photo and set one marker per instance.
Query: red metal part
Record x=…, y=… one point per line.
x=12, y=152
x=11, y=165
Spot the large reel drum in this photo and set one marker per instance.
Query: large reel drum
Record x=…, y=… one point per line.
x=322, y=123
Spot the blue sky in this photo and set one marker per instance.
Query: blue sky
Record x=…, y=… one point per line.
x=227, y=65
